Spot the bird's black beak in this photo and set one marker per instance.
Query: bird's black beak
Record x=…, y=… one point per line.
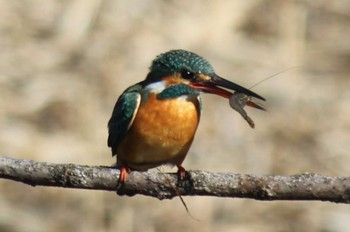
x=212, y=83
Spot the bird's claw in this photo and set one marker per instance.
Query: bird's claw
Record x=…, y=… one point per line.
x=124, y=170
x=181, y=172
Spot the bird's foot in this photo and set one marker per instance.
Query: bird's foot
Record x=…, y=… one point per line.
x=181, y=172
x=184, y=179
x=124, y=170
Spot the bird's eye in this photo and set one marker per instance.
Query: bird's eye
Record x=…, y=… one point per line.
x=186, y=74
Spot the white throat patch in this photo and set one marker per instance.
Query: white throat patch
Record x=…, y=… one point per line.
x=155, y=87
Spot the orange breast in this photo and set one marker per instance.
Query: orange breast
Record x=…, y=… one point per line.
x=162, y=132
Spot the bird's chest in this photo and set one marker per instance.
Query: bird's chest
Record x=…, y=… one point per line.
x=162, y=131
x=167, y=121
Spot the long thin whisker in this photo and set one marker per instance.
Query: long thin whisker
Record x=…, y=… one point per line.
x=269, y=77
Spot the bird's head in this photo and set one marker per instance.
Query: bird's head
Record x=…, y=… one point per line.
x=189, y=68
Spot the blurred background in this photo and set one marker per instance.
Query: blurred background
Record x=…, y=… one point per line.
x=63, y=65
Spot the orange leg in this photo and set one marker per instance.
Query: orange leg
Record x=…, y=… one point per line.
x=181, y=172
x=123, y=173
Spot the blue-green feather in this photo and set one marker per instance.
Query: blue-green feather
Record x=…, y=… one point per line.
x=123, y=115
x=177, y=91
x=174, y=61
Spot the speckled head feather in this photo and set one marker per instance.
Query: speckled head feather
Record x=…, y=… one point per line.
x=176, y=60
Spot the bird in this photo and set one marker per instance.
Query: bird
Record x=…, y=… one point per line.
x=154, y=121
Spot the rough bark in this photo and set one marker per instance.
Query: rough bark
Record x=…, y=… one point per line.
x=305, y=186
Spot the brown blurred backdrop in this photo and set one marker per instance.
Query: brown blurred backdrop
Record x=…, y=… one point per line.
x=64, y=63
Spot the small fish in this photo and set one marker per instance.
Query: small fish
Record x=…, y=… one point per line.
x=239, y=100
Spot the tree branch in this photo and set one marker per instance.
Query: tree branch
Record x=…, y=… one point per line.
x=166, y=185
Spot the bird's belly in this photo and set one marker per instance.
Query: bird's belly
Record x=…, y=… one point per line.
x=162, y=133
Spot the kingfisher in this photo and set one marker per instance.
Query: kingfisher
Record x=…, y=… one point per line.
x=154, y=121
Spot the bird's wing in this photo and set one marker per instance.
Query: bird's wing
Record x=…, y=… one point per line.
x=123, y=115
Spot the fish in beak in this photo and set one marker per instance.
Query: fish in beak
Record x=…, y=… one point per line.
x=238, y=99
